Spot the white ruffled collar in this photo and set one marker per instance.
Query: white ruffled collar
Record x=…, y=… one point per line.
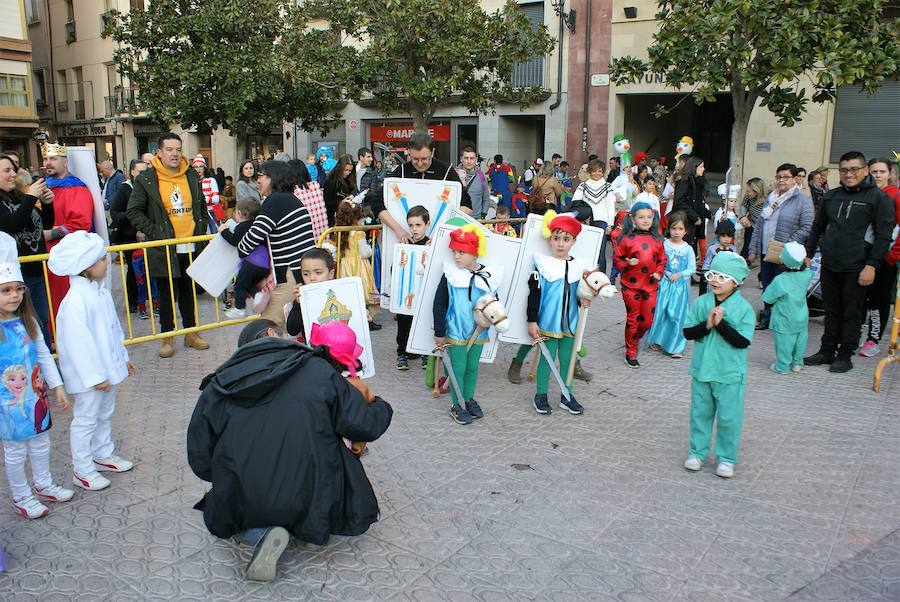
x=553, y=269
x=460, y=277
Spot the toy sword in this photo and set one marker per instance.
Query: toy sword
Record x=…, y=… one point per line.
x=553, y=369
x=441, y=352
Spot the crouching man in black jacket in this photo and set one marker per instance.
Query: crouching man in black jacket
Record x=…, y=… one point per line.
x=266, y=432
x=853, y=229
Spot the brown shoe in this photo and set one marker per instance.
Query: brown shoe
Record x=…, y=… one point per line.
x=195, y=341
x=167, y=349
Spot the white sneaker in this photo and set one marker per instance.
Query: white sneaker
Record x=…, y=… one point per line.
x=92, y=482
x=30, y=507
x=113, y=464
x=235, y=313
x=796, y=368
x=54, y=493
x=264, y=562
x=693, y=463
x=725, y=470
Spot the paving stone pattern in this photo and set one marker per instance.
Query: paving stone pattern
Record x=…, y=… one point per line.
x=516, y=506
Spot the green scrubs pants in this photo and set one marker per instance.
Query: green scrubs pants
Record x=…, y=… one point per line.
x=789, y=349
x=723, y=403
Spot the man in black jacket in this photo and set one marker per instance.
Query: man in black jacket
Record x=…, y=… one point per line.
x=267, y=433
x=121, y=230
x=421, y=166
x=854, y=225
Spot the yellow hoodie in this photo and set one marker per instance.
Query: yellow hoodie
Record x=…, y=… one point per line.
x=176, y=197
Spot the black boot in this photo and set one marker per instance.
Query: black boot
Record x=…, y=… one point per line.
x=820, y=358
x=763, y=323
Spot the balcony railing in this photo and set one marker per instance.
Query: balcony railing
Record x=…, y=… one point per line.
x=79, y=109
x=122, y=101
x=528, y=74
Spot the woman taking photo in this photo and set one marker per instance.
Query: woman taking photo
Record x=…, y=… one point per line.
x=339, y=185
x=26, y=224
x=284, y=223
x=247, y=186
x=690, y=197
x=787, y=215
x=754, y=197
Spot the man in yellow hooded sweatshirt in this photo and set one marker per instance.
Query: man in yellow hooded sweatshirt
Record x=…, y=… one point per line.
x=167, y=203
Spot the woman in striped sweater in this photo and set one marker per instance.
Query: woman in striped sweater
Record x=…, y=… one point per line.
x=285, y=223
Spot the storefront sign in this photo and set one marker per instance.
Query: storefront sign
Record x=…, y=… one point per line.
x=403, y=132
x=147, y=129
x=82, y=130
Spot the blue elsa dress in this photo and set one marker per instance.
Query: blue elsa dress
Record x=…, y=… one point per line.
x=674, y=299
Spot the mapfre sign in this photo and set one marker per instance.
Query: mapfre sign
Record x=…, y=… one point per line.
x=403, y=132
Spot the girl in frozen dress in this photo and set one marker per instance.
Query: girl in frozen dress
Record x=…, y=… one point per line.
x=674, y=290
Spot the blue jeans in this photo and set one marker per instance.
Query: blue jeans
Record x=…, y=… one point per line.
x=601, y=261
x=252, y=537
x=38, y=291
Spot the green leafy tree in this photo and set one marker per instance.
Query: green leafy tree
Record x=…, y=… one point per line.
x=228, y=63
x=417, y=55
x=780, y=54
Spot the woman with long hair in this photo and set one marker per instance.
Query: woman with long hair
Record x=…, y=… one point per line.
x=755, y=195
x=247, y=185
x=690, y=197
x=311, y=195
x=339, y=185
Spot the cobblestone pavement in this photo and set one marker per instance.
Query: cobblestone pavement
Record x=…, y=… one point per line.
x=516, y=506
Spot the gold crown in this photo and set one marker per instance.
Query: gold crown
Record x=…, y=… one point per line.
x=49, y=149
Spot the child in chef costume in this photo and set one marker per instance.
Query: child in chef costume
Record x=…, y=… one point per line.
x=92, y=356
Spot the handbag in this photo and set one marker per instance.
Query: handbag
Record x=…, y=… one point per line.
x=773, y=251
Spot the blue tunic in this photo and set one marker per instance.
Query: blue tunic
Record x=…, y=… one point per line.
x=558, y=313
x=674, y=299
x=465, y=288
x=24, y=405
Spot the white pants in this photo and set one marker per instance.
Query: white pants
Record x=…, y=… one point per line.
x=15, y=453
x=91, y=430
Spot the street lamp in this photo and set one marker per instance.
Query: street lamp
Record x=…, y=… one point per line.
x=566, y=17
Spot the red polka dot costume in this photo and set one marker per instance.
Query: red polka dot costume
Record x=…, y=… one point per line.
x=639, y=289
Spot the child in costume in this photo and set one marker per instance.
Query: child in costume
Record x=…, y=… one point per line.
x=614, y=237
x=417, y=219
x=674, y=290
x=355, y=251
x=92, y=357
x=503, y=227
x=145, y=285
x=553, y=304
x=725, y=236
x=641, y=259
x=28, y=372
x=721, y=323
x=255, y=267
x=464, y=282
x=316, y=265
x=790, y=313
x=519, y=203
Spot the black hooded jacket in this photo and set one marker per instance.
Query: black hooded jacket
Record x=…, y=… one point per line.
x=266, y=432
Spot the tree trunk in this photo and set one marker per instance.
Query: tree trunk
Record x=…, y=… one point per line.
x=420, y=116
x=743, y=103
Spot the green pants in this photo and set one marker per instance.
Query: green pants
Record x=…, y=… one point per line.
x=465, y=369
x=522, y=355
x=789, y=348
x=557, y=347
x=707, y=401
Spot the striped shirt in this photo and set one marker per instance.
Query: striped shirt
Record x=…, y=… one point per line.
x=285, y=223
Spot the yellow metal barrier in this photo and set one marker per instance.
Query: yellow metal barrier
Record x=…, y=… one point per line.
x=892, y=357
x=156, y=333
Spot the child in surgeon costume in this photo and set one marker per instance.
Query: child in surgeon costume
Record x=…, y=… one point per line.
x=790, y=314
x=721, y=324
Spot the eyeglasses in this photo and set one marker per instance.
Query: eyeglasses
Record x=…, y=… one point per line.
x=718, y=277
x=784, y=177
x=13, y=290
x=845, y=170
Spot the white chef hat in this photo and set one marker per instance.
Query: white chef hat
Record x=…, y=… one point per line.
x=9, y=260
x=75, y=253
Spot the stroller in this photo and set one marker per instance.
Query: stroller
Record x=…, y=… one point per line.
x=814, y=292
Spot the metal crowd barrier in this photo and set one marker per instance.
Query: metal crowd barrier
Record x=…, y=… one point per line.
x=893, y=357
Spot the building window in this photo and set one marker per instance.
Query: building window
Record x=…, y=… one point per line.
x=137, y=5
x=40, y=88
x=854, y=125
x=31, y=11
x=530, y=73
x=13, y=91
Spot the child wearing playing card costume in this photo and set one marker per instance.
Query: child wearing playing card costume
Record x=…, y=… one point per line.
x=464, y=282
x=553, y=303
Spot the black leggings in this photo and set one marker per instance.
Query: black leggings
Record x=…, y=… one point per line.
x=878, y=302
x=184, y=297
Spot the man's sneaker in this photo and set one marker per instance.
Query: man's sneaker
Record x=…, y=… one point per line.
x=30, y=507
x=54, y=493
x=541, y=404
x=266, y=554
x=474, y=409
x=725, y=470
x=92, y=482
x=820, y=358
x=841, y=365
x=402, y=362
x=424, y=362
x=632, y=362
x=572, y=405
x=113, y=464
x=582, y=374
x=143, y=315
x=693, y=463
x=868, y=349
x=796, y=368
x=235, y=313
x=460, y=415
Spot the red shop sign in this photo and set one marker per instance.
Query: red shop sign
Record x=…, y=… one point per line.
x=401, y=132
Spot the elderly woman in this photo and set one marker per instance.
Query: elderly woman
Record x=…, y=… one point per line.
x=787, y=215
x=26, y=224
